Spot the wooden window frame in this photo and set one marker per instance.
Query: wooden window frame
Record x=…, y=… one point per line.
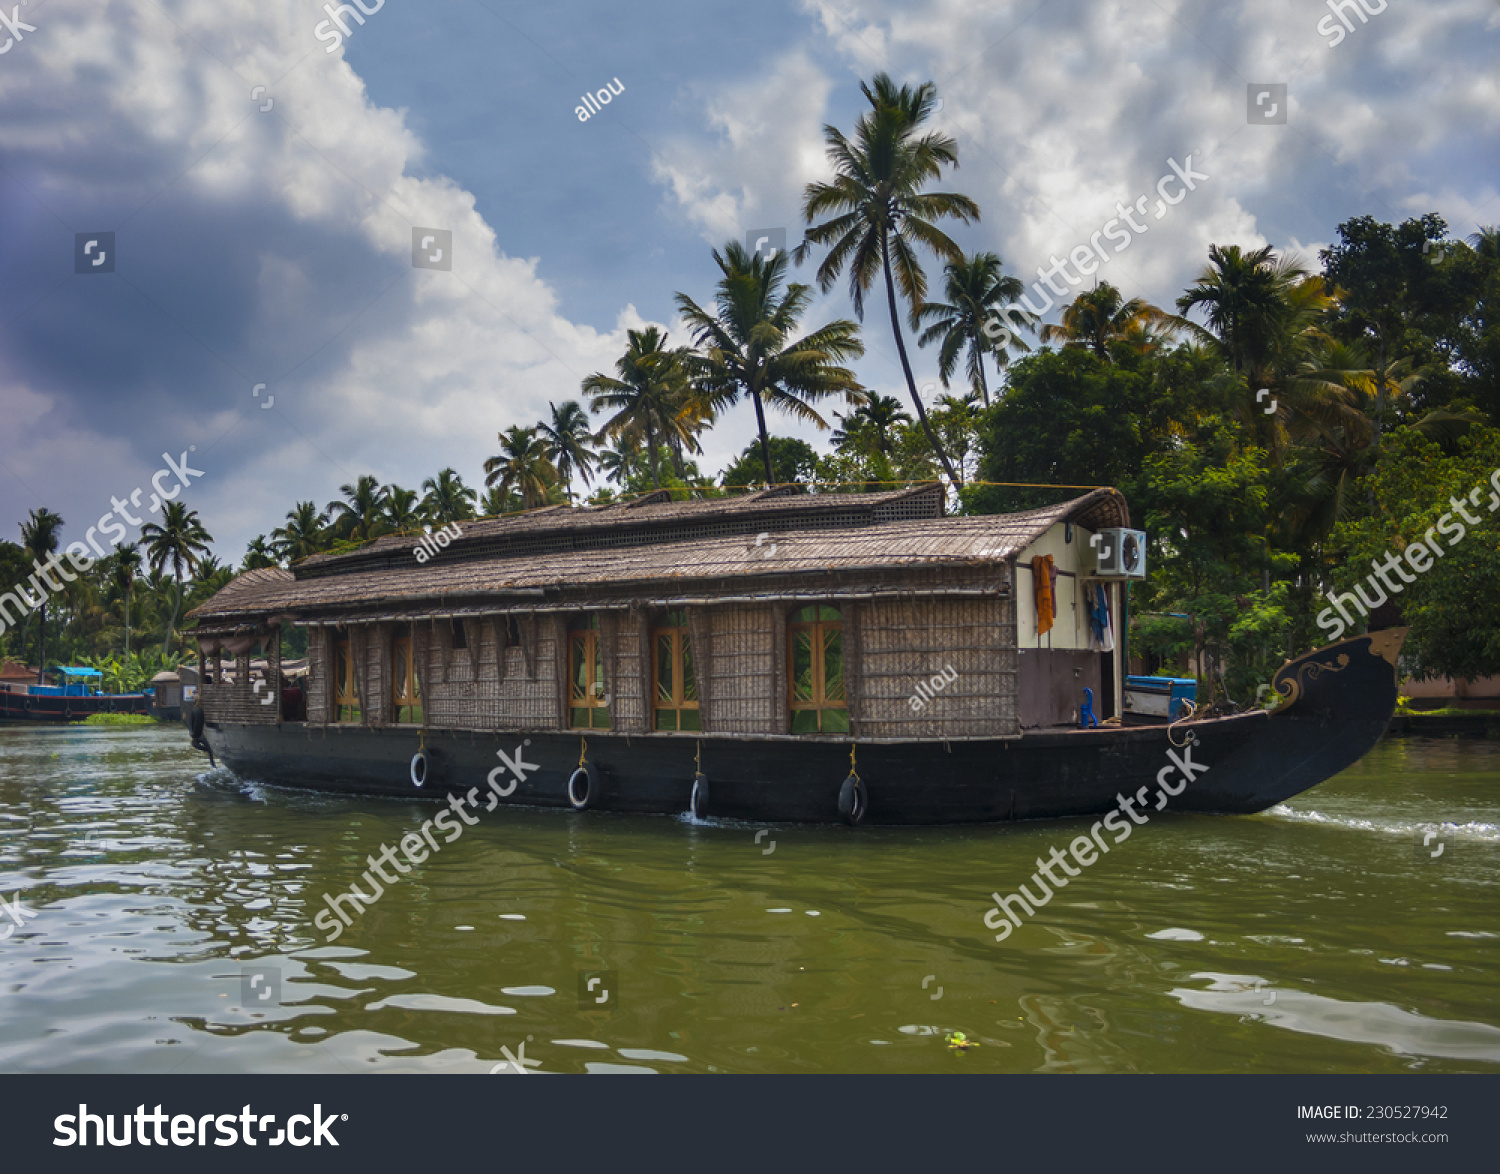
x=588, y=642
x=680, y=636
x=404, y=670
x=819, y=702
x=342, y=657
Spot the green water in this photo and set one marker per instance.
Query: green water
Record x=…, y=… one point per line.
x=1321, y=937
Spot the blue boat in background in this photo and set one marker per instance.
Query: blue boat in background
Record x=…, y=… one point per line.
x=77, y=698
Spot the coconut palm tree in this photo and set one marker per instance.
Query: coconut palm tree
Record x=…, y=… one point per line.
x=522, y=466
x=878, y=214
x=447, y=498
x=179, y=541
x=975, y=289
x=361, y=515
x=401, y=511
x=647, y=399
x=567, y=434
x=497, y=501
x=1100, y=316
x=873, y=419
x=124, y=567
x=259, y=554
x=1246, y=299
x=39, y=538
x=746, y=347
x=304, y=533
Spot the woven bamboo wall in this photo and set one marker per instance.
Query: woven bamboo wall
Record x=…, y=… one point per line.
x=628, y=677
x=902, y=643
x=238, y=701
x=743, y=669
x=319, y=683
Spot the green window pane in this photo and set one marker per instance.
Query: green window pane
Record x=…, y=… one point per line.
x=666, y=719
x=804, y=721
x=600, y=718
x=579, y=719
x=578, y=669
x=802, y=666
x=689, y=677
x=691, y=720
x=833, y=665
x=665, y=685
x=835, y=721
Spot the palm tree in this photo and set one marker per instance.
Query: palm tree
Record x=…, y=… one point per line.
x=303, y=534
x=497, y=501
x=447, y=498
x=39, y=537
x=360, y=516
x=1246, y=299
x=400, y=512
x=618, y=462
x=567, y=435
x=260, y=553
x=745, y=347
x=1100, y=316
x=874, y=418
x=649, y=396
x=181, y=541
x=878, y=212
x=976, y=289
x=124, y=567
x=522, y=466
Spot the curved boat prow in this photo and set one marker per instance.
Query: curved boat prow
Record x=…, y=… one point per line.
x=1337, y=703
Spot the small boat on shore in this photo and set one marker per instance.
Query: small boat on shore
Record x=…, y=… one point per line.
x=72, y=701
x=780, y=656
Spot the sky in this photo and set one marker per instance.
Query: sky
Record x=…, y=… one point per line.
x=266, y=186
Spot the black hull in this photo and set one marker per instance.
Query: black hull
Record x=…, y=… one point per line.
x=1338, y=702
x=26, y=709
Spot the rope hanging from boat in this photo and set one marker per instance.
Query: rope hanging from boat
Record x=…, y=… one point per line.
x=698, y=757
x=1189, y=713
x=853, y=770
x=583, y=749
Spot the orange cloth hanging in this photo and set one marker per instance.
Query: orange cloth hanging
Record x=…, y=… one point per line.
x=1042, y=574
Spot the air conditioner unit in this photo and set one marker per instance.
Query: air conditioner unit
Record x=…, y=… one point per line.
x=1119, y=553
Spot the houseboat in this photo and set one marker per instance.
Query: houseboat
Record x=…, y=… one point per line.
x=76, y=698
x=780, y=656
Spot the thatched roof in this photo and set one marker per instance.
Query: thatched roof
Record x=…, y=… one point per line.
x=645, y=549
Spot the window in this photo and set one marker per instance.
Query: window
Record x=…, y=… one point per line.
x=460, y=637
x=588, y=703
x=674, y=684
x=345, y=691
x=815, y=661
x=406, y=689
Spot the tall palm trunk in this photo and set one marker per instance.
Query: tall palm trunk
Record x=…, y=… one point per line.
x=651, y=446
x=984, y=384
x=172, y=623
x=765, y=442
x=127, y=621
x=911, y=383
